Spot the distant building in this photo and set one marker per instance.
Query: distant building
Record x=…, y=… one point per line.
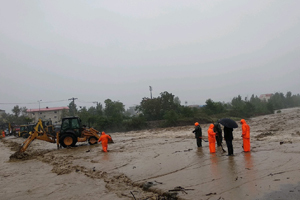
x=131, y=111
x=47, y=114
x=265, y=97
x=1, y=112
x=195, y=106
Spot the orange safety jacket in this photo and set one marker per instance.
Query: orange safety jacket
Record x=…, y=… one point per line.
x=211, y=134
x=104, y=138
x=245, y=129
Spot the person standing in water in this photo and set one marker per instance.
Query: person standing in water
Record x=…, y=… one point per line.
x=211, y=139
x=218, y=131
x=245, y=135
x=228, y=136
x=198, y=134
x=104, y=140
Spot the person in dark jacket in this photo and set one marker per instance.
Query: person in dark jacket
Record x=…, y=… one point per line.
x=198, y=134
x=218, y=131
x=228, y=136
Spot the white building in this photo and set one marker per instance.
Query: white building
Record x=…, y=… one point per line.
x=265, y=97
x=47, y=114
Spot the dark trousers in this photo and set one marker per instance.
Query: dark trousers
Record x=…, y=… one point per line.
x=219, y=140
x=199, y=142
x=229, y=147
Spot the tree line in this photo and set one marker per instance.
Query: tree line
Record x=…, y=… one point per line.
x=165, y=110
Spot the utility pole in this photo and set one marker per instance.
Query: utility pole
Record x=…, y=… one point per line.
x=150, y=88
x=39, y=108
x=73, y=99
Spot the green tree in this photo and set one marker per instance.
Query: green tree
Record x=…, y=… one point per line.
x=212, y=107
x=72, y=109
x=151, y=108
x=84, y=115
x=278, y=101
x=156, y=108
x=99, y=109
x=288, y=100
x=113, y=108
x=177, y=101
x=16, y=111
x=171, y=118
x=114, y=112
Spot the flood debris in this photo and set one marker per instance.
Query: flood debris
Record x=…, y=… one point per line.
x=168, y=196
x=285, y=142
x=132, y=195
x=212, y=193
x=180, y=189
x=262, y=135
x=149, y=184
x=271, y=174
x=176, y=152
x=188, y=150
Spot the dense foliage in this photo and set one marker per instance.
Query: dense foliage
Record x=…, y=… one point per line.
x=165, y=110
x=18, y=116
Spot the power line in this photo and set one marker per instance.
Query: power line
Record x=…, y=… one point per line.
x=34, y=102
x=17, y=103
x=55, y=101
x=86, y=101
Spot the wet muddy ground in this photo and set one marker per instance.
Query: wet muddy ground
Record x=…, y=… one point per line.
x=160, y=164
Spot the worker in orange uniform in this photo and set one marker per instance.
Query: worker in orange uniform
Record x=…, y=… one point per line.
x=211, y=139
x=3, y=133
x=245, y=135
x=104, y=140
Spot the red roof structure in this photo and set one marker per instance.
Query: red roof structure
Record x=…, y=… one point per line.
x=47, y=109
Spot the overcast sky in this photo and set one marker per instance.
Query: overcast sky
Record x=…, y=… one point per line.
x=53, y=50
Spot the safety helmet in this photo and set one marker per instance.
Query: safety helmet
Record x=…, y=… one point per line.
x=196, y=124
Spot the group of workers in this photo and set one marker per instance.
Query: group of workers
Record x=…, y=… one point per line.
x=215, y=134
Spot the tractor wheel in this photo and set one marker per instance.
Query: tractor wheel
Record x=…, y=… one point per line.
x=93, y=140
x=67, y=140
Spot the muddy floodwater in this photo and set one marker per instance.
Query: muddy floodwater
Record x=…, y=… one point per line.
x=160, y=164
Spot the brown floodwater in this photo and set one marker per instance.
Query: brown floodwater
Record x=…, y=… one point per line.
x=160, y=163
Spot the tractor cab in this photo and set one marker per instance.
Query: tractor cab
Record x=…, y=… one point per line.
x=23, y=128
x=71, y=124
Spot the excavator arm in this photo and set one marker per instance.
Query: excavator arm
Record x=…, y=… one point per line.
x=40, y=135
x=90, y=135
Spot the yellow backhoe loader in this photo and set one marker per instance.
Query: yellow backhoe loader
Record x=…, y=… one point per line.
x=26, y=130
x=70, y=133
